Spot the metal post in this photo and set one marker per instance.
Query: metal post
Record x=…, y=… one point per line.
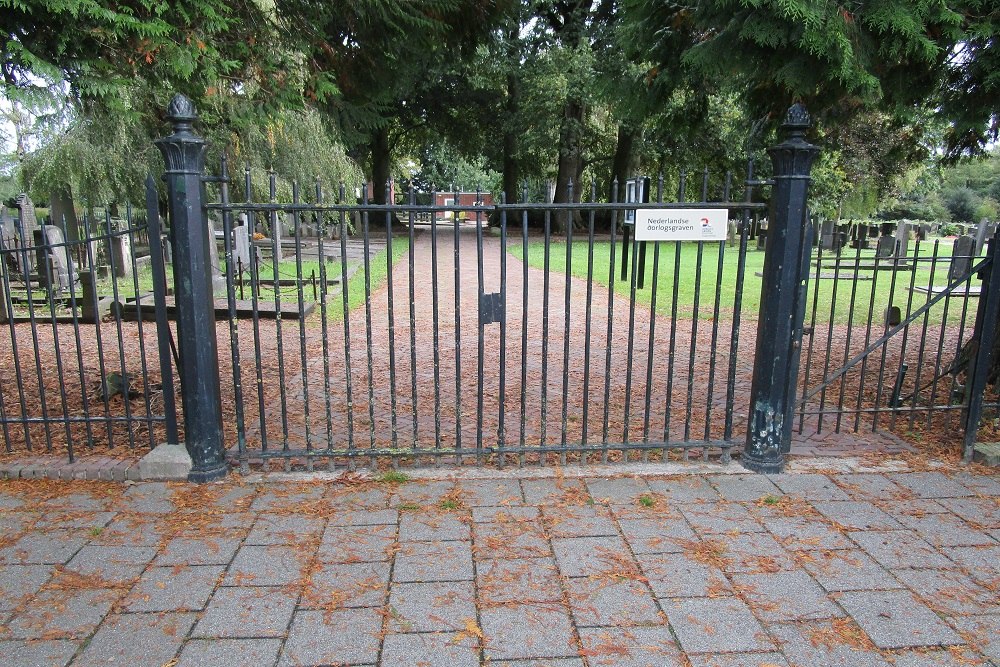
x=184, y=154
x=981, y=362
x=779, y=329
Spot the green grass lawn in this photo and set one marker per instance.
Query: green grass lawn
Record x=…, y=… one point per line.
x=705, y=282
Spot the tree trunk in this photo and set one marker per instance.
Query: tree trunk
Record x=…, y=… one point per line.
x=511, y=166
x=381, y=162
x=624, y=162
x=570, y=157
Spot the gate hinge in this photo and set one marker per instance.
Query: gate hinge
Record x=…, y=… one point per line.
x=491, y=308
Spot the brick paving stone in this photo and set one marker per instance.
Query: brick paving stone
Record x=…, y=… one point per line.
x=684, y=489
x=739, y=660
x=896, y=549
x=357, y=544
x=935, y=658
x=980, y=563
x=743, y=488
x=869, y=486
x=579, y=521
x=52, y=548
x=286, y=498
x=265, y=566
x=504, y=514
x=658, y=533
x=896, y=619
x=229, y=653
x=679, y=575
x=18, y=582
x=812, y=486
x=805, y=534
x=721, y=518
x=337, y=585
x=59, y=614
x=945, y=530
x=59, y=519
x=650, y=646
x=136, y=639
x=930, y=485
x=617, y=490
x=148, y=498
x=785, y=596
x=978, y=484
x=605, y=602
x=115, y=565
x=977, y=511
x=177, y=588
x=381, y=517
x=847, y=570
x=541, y=662
x=585, y=556
x=428, y=650
x=434, y=526
x=856, y=515
x=51, y=653
x=983, y=633
x=524, y=539
x=949, y=592
x=820, y=644
x=433, y=561
x=527, y=631
x=546, y=492
x=714, y=625
x=137, y=530
x=754, y=552
x=346, y=636
x=421, y=493
x=912, y=507
x=284, y=529
x=9, y=502
x=16, y=522
x=534, y=580
x=491, y=492
x=432, y=607
x=368, y=499
x=197, y=551
x=246, y=612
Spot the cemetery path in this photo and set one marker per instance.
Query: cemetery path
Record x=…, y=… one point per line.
x=419, y=390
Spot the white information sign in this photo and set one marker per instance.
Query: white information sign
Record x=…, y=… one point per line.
x=684, y=224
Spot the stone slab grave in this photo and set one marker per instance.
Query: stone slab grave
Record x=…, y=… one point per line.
x=961, y=257
x=26, y=224
x=983, y=231
x=121, y=254
x=56, y=269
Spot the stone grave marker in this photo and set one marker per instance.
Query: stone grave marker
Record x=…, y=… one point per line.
x=277, y=233
x=241, y=247
x=902, y=239
x=961, y=257
x=982, y=233
x=121, y=255
x=886, y=247
x=53, y=254
x=62, y=214
x=828, y=236
x=26, y=225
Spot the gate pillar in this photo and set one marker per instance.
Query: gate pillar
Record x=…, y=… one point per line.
x=184, y=154
x=782, y=303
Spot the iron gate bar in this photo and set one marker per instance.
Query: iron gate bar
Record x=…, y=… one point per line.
x=988, y=312
x=906, y=331
x=961, y=336
x=100, y=339
x=79, y=362
x=611, y=310
x=896, y=329
x=139, y=325
x=392, y=324
x=347, y=324
x=323, y=230
x=885, y=350
x=524, y=319
x=633, y=284
x=734, y=338
x=435, y=330
x=368, y=321
x=458, y=334
x=588, y=320
x=160, y=307
x=923, y=330
x=413, y=315
x=118, y=330
x=850, y=329
x=568, y=283
x=234, y=340
x=480, y=353
x=254, y=303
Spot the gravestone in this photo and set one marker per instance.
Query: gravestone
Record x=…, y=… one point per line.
x=982, y=232
x=8, y=230
x=885, y=248
x=26, y=226
x=893, y=316
x=55, y=268
x=961, y=257
x=828, y=236
x=902, y=239
x=276, y=236
x=121, y=255
x=241, y=247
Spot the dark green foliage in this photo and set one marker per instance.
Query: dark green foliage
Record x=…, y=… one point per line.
x=963, y=203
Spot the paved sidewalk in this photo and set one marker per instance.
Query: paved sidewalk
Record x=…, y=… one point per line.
x=727, y=570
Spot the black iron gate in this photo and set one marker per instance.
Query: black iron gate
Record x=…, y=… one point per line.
x=476, y=331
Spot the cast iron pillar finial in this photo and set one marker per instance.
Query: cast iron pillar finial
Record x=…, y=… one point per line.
x=782, y=303
x=184, y=155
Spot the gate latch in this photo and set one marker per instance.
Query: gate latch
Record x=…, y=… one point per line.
x=491, y=309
